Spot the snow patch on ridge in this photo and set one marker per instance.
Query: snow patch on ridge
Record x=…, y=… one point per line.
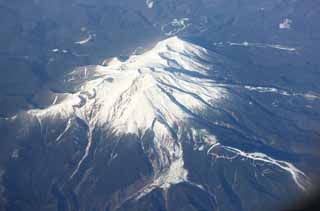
x=85, y=40
x=285, y=24
x=175, y=26
x=257, y=45
x=150, y=3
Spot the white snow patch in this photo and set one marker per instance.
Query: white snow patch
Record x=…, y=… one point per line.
x=310, y=96
x=55, y=100
x=68, y=126
x=56, y=50
x=307, y=96
x=299, y=177
x=281, y=47
x=256, y=45
x=175, y=26
x=150, y=3
x=85, y=155
x=267, y=90
x=285, y=24
x=85, y=40
x=15, y=154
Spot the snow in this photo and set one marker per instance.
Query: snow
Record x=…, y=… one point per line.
x=176, y=174
x=150, y=3
x=55, y=100
x=15, y=154
x=285, y=24
x=85, y=40
x=175, y=26
x=86, y=153
x=258, y=45
x=140, y=91
x=263, y=89
x=301, y=180
x=56, y=50
x=68, y=126
x=85, y=72
x=278, y=91
x=63, y=109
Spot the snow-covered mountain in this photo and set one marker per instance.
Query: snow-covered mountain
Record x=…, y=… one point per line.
x=159, y=91
x=149, y=126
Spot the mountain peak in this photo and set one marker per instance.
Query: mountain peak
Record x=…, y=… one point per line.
x=158, y=91
x=167, y=84
x=158, y=97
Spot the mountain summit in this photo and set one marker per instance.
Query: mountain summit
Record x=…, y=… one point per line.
x=165, y=85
